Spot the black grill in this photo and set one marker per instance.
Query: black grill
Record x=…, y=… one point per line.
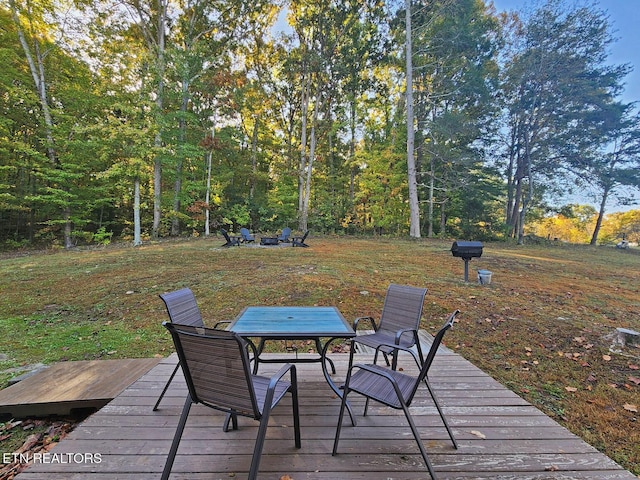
x=466, y=250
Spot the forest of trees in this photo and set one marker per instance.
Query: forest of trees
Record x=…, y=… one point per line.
x=138, y=119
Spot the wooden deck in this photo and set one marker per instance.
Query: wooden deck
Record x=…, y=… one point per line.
x=500, y=436
x=67, y=386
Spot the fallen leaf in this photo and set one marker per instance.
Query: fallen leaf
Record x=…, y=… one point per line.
x=635, y=380
x=285, y=477
x=478, y=434
x=591, y=378
x=634, y=367
x=551, y=468
x=630, y=407
x=606, y=358
x=571, y=389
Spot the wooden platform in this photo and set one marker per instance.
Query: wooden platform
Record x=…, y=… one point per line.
x=500, y=435
x=67, y=386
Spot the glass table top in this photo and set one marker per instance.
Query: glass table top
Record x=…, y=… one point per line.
x=291, y=322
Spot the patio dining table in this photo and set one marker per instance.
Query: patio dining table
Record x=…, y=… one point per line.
x=322, y=325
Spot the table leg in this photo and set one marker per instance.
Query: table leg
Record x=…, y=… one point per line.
x=338, y=391
x=319, y=349
x=256, y=354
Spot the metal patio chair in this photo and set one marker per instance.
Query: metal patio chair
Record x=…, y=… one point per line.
x=399, y=323
x=216, y=368
x=183, y=310
x=394, y=389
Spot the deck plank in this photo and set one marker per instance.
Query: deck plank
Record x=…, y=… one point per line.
x=65, y=386
x=521, y=443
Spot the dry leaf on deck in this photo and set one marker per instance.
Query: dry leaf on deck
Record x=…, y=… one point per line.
x=478, y=434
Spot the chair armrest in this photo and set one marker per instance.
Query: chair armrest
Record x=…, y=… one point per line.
x=221, y=322
x=380, y=373
x=394, y=346
x=369, y=319
x=399, y=334
x=276, y=377
x=398, y=347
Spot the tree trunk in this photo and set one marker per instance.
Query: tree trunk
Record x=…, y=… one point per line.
x=303, y=149
x=414, y=206
x=207, y=197
x=596, y=230
x=157, y=164
x=352, y=153
x=137, y=240
x=254, y=158
x=182, y=135
x=304, y=214
x=37, y=72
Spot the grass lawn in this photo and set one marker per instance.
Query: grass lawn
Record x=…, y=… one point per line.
x=542, y=327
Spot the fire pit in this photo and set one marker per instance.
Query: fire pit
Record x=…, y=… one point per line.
x=268, y=240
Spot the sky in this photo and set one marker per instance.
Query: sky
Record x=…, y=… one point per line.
x=625, y=17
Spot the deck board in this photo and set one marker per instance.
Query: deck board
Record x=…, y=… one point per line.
x=521, y=443
x=66, y=386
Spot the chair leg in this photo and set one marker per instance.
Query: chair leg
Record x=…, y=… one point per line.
x=366, y=407
x=340, y=418
x=444, y=419
x=386, y=358
x=419, y=349
x=257, y=450
x=233, y=418
x=343, y=403
x=295, y=408
x=416, y=435
x=176, y=438
x=175, y=370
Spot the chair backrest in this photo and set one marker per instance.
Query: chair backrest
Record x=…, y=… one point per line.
x=182, y=307
x=286, y=233
x=225, y=234
x=402, y=308
x=216, y=368
x=245, y=233
x=437, y=340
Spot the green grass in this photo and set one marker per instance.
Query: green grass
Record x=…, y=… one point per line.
x=521, y=329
